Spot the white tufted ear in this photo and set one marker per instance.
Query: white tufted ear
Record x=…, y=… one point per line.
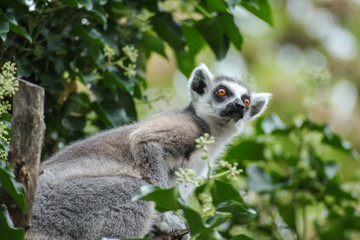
x=200, y=79
x=259, y=102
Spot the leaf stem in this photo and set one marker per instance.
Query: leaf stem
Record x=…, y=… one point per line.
x=220, y=174
x=201, y=9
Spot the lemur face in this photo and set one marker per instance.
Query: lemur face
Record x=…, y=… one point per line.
x=223, y=98
x=230, y=99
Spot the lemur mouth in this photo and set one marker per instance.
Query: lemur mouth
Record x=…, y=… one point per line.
x=234, y=110
x=235, y=115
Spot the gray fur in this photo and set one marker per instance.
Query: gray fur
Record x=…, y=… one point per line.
x=86, y=188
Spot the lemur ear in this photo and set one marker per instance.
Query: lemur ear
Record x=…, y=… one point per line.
x=200, y=79
x=259, y=102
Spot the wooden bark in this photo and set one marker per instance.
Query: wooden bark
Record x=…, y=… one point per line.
x=26, y=143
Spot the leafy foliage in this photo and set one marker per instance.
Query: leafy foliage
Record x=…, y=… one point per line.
x=78, y=50
x=293, y=172
x=15, y=189
x=7, y=229
x=17, y=192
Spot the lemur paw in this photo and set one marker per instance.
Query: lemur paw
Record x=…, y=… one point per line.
x=168, y=222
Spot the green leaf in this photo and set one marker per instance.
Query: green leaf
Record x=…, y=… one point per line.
x=287, y=213
x=259, y=8
x=75, y=102
x=338, y=142
x=87, y=3
x=14, y=189
x=4, y=27
x=194, y=40
x=315, y=162
x=100, y=16
x=211, y=234
x=169, y=30
x=165, y=199
x=153, y=43
x=245, y=150
x=217, y=5
x=193, y=219
x=7, y=229
x=88, y=78
x=216, y=220
x=240, y=211
x=94, y=52
x=115, y=112
x=71, y=3
x=335, y=189
x=213, y=33
x=241, y=237
x=258, y=179
x=101, y=114
x=3, y=147
x=17, y=29
x=24, y=68
x=231, y=30
x=186, y=63
x=92, y=35
x=222, y=192
x=74, y=123
x=111, y=77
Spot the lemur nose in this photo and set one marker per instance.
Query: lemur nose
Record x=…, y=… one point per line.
x=239, y=105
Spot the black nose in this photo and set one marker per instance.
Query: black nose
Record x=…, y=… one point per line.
x=239, y=104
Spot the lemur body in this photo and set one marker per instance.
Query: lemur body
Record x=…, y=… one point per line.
x=86, y=189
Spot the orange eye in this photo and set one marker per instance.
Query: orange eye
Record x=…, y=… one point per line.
x=246, y=102
x=221, y=92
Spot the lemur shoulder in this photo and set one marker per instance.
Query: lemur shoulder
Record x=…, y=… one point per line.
x=86, y=189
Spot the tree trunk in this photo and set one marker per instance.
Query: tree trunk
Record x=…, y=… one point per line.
x=26, y=143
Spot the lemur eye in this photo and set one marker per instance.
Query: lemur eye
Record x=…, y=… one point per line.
x=221, y=92
x=246, y=102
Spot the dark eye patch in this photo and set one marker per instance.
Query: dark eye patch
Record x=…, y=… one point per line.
x=245, y=96
x=219, y=98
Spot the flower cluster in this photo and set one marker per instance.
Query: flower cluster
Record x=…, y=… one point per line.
x=4, y=130
x=8, y=83
x=141, y=20
x=130, y=54
x=203, y=142
x=187, y=176
x=207, y=207
x=232, y=170
x=8, y=86
x=109, y=53
x=5, y=106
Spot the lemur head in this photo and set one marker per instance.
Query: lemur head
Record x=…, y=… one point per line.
x=223, y=99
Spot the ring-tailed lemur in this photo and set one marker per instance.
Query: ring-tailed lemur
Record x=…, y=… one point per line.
x=86, y=189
